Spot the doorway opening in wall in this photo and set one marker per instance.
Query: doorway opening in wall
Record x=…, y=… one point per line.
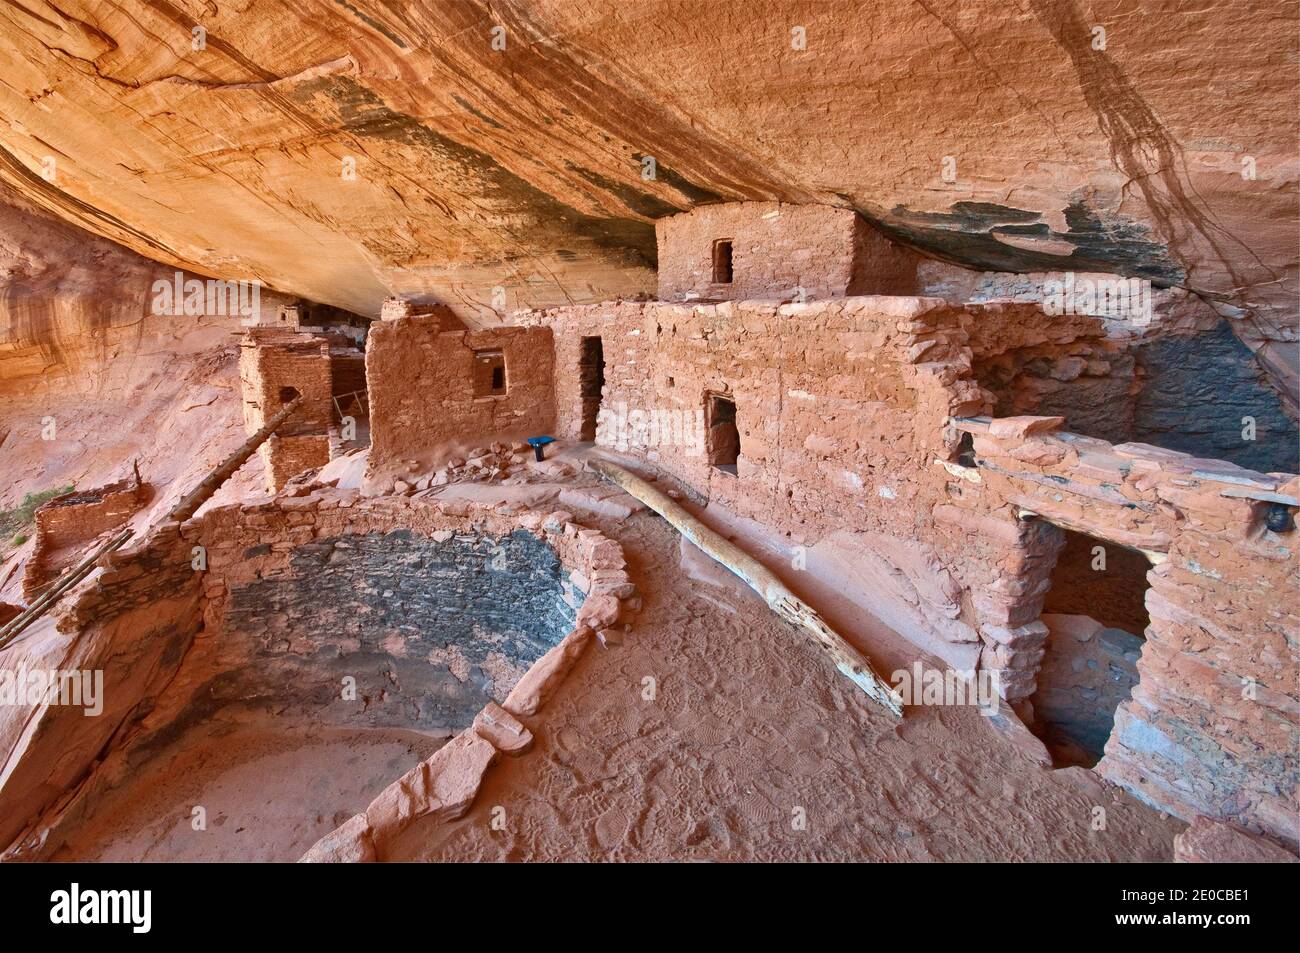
x=1096, y=618
x=591, y=384
x=722, y=261
x=723, y=440
x=489, y=373
x=350, y=417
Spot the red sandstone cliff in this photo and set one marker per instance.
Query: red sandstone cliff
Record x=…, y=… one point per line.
x=343, y=151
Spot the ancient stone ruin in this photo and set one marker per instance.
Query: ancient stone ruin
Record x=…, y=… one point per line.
x=576, y=481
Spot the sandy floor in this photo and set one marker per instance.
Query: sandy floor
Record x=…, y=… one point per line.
x=269, y=793
x=754, y=748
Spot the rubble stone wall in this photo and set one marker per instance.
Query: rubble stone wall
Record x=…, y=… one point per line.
x=134, y=622
x=1191, y=381
x=421, y=386
x=1074, y=366
x=1211, y=727
x=67, y=524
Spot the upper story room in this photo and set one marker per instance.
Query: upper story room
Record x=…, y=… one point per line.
x=761, y=250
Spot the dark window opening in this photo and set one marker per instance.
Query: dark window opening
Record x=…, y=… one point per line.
x=723, y=440
x=489, y=373
x=965, y=455
x=288, y=394
x=1096, y=617
x=722, y=261
x=591, y=384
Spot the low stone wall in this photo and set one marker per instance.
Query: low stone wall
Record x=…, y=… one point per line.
x=134, y=622
x=67, y=524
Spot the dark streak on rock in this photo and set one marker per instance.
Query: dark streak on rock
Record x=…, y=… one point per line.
x=964, y=235
x=554, y=223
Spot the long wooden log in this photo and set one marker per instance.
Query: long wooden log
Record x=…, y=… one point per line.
x=70, y=578
x=181, y=512
x=188, y=506
x=762, y=580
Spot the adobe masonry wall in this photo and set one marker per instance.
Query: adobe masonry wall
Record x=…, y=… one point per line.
x=421, y=384
x=777, y=250
x=850, y=414
x=842, y=408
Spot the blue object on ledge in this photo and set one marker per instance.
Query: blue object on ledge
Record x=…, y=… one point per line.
x=539, y=446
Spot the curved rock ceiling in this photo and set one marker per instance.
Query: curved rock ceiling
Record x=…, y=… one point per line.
x=1170, y=153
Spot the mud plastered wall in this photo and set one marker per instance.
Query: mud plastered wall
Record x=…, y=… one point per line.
x=274, y=366
x=776, y=250
x=428, y=395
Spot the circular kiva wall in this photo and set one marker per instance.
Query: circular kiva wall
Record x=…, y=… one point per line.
x=412, y=615
x=305, y=615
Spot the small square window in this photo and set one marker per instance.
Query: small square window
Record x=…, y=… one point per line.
x=489, y=373
x=722, y=440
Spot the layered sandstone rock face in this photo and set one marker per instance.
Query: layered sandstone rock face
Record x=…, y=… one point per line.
x=503, y=155
x=92, y=379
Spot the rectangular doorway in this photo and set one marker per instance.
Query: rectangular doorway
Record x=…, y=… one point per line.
x=722, y=272
x=489, y=373
x=591, y=384
x=1096, y=618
